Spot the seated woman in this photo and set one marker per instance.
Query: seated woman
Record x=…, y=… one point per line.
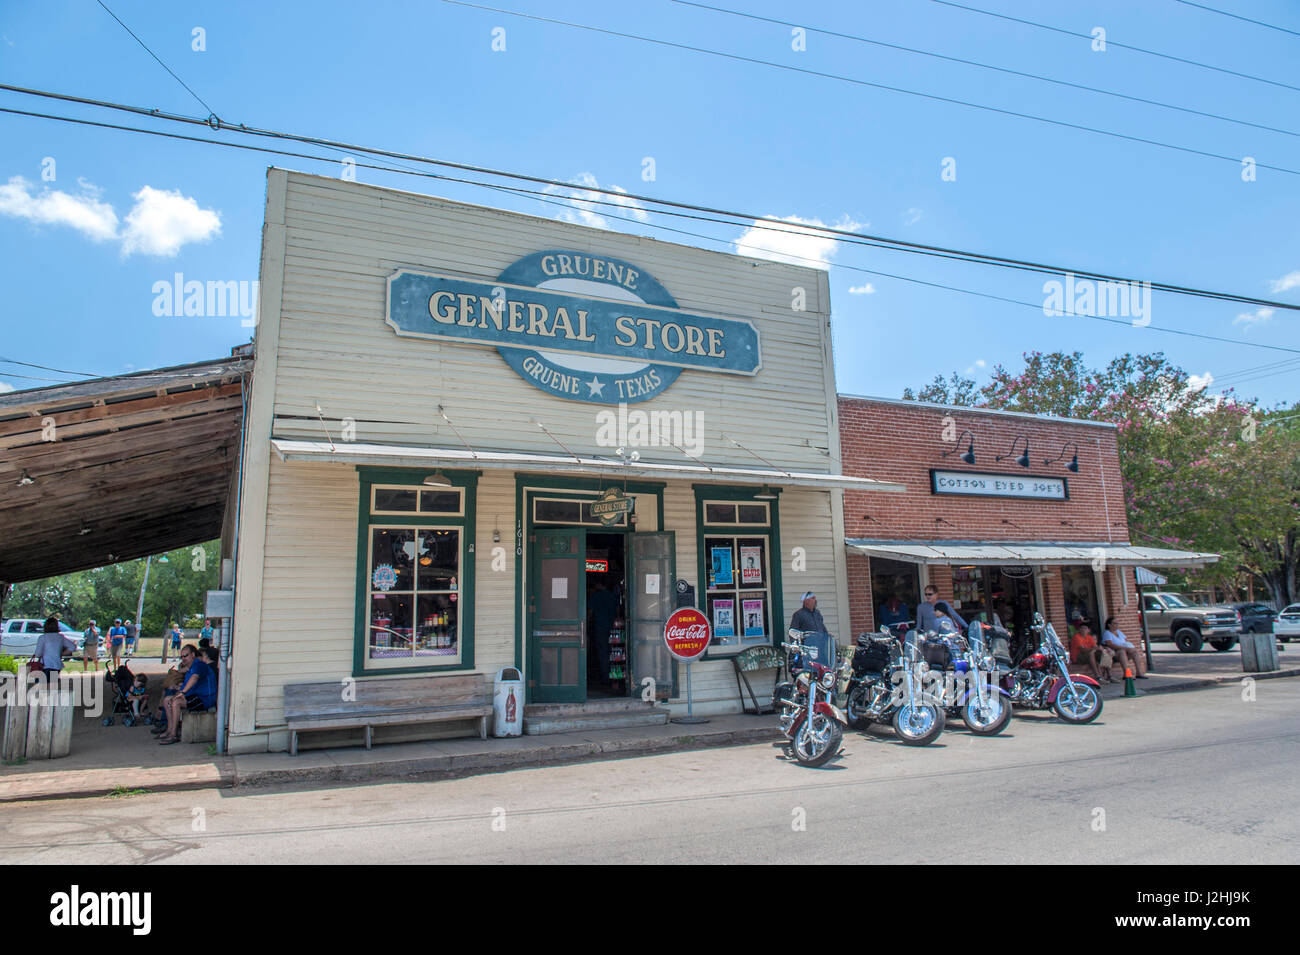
x=1084, y=652
x=197, y=694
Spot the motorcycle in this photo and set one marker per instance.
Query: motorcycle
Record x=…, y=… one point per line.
x=812, y=723
x=973, y=693
x=886, y=684
x=1042, y=680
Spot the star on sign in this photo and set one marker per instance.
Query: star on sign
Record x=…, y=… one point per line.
x=597, y=387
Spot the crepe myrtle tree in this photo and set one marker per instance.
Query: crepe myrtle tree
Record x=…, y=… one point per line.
x=1210, y=473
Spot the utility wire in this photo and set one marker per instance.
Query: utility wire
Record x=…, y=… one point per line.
x=1235, y=160
x=746, y=219
x=1225, y=13
x=61, y=371
x=988, y=66
x=1116, y=43
x=211, y=112
x=546, y=197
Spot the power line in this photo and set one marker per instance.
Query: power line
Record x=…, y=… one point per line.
x=540, y=196
x=211, y=112
x=1235, y=160
x=1225, y=13
x=745, y=218
x=1116, y=43
x=61, y=371
x=988, y=66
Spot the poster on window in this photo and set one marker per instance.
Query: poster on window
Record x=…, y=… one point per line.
x=752, y=611
x=751, y=565
x=721, y=559
x=724, y=613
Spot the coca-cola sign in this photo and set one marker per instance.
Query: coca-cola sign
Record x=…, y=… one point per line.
x=687, y=633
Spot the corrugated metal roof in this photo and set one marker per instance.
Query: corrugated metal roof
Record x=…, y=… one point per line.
x=941, y=552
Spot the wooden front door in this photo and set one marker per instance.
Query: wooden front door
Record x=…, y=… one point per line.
x=650, y=577
x=557, y=616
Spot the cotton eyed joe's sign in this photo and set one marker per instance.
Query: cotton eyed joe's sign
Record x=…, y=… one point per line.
x=972, y=484
x=575, y=325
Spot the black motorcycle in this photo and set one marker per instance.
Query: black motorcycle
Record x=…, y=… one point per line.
x=889, y=681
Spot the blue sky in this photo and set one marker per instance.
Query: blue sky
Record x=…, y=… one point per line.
x=79, y=255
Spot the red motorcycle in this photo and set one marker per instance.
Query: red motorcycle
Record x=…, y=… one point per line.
x=1042, y=680
x=812, y=724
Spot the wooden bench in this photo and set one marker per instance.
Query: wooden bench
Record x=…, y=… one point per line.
x=391, y=702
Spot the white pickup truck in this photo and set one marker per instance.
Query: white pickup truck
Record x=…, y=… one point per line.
x=19, y=635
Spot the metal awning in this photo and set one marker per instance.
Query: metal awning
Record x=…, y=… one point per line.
x=394, y=455
x=945, y=552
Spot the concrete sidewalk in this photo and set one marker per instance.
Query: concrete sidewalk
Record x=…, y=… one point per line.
x=117, y=758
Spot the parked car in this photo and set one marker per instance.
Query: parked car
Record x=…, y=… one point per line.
x=1287, y=624
x=19, y=635
x=1255, y=617
x=1172, y=617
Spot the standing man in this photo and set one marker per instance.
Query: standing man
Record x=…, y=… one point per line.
x=131, y=634
x=926, y=621
x=116, y=634
x=206, y=633
x=808, y=617
x=90, y=650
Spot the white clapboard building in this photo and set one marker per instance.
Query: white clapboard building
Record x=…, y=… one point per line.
x=481, y=440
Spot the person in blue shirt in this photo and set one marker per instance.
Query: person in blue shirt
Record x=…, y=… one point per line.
x=198, y=694
x=116, y=637
x=894, y=611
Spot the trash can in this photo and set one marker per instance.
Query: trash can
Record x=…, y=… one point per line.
x=1258, y=653
x=508, y=703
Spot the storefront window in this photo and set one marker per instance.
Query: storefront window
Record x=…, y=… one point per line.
x=415, y=570
x=896, y=590
x=414, y=595
x=968, y=592
x=1080, y=589
x=739, y=590
x=569, y=511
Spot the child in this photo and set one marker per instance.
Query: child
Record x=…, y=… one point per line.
x=139, y=694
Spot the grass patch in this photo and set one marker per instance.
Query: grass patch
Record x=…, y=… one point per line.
x=118, y=792
x=20, y=761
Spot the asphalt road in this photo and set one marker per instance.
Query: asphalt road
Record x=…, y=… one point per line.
x=1191, y=777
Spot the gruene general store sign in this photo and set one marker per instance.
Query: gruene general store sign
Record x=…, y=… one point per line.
x=1025, y=486
x=579, y=326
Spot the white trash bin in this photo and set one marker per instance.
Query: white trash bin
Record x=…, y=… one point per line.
x=508, y=703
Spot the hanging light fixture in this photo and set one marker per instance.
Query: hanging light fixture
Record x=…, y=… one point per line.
x=1023, y=460
x=765, y=494
x=1073, y=466
x=437, y=479
x=969, y=454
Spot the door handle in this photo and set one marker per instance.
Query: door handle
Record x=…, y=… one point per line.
x=582, y=635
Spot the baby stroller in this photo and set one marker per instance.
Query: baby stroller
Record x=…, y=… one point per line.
x=120, y=683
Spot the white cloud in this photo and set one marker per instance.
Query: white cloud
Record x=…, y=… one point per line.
x=866, y=288
x=793, y=245
x=980, y=365
x=5, y=386
x=1257, y=317
x=585, y=201
x=160, y=222
x=912, y=216
x=1287, y=282
x=1199, y=382
x=163, y=220
x=84, y=212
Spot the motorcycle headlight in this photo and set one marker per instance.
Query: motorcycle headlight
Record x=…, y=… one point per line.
x=828, y=680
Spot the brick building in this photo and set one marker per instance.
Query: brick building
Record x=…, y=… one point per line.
x=1005, y=513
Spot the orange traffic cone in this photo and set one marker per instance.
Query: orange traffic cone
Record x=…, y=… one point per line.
x=1130, y=688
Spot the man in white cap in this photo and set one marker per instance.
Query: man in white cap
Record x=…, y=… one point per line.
x=808, y=617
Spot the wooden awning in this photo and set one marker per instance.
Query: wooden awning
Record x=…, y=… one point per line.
x=111, y=469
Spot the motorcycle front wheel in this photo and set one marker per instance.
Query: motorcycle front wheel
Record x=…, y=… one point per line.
x=818, y=740
x=989, y=718
x=918, y=725
x=1082, y=705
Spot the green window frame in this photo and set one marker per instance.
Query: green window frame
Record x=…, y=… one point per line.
x=706, y=494
x=440, y=521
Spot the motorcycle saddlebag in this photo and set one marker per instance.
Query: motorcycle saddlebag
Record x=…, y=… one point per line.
x=936, y=654
x=873, y=658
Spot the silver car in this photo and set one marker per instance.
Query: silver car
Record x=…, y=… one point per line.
x=19, y=635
